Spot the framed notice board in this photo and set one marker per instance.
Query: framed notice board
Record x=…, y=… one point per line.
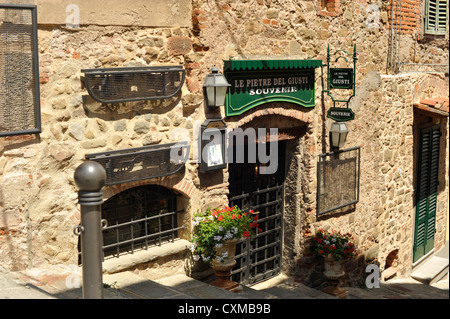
x=19, y=71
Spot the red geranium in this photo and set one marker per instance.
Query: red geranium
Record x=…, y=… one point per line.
x=334, y=243
x=214, y=226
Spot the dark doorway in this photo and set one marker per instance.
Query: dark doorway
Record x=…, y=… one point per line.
x=259, y=258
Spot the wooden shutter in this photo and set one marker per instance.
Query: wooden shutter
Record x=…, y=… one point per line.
x=427, y=184
x=436, y=17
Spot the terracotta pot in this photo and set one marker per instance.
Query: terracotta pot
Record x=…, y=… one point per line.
x=229, y=246
x=334, y=271
x=223, y=268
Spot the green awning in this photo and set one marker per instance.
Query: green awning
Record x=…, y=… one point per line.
x=231, y=65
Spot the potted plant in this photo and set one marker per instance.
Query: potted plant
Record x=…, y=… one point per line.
x=216, y=233
x=335, y=248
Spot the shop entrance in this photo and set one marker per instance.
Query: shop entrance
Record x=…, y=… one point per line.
x=259, y=258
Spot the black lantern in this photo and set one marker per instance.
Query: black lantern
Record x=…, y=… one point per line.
x=215, y=88
x=338, y=133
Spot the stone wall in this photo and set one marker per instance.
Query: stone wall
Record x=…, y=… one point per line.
x=38, y=197
x=38, y=208
x=382, y=222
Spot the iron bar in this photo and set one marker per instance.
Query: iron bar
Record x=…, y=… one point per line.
x=159, y=235
x=328, y=193
x=134, y=216
x=129, y=84
x=134, y=164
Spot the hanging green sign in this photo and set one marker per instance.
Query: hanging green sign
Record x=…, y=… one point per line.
x=255, y=82
x=341, y=78
x=341, y=114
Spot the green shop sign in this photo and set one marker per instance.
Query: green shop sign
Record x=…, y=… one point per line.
x=341, y=78
x=255, y=82
x=341, y=114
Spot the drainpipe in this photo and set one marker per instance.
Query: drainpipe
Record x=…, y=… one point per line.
x=90, y=177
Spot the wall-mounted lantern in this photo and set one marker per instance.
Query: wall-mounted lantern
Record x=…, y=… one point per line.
x=338, y=133
x=215, y=88
x=212, y=145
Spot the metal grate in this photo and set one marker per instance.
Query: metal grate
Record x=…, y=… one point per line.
x=259, y=258
x=114, y=85
x=338, y=176
x=139, y=218
x=134, y=164
x=19, y=71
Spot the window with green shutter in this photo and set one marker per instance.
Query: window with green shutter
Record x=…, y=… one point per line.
x=436, y=16
x=426, y=191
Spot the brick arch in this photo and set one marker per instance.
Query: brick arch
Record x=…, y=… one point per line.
x=429, y=86
x=183, y=186
x=281, y=109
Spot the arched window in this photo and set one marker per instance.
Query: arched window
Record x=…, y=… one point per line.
x=138, y=218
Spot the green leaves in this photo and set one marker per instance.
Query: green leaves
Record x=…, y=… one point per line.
x=214, y=227
x=334, y=244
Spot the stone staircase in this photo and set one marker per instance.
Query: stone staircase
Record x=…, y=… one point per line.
x=433, y=268
x=129, y=285
x=51, y=284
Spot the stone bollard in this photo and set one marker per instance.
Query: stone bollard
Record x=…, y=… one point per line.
x=90, y=178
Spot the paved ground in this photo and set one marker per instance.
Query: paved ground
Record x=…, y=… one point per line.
x=61, y=282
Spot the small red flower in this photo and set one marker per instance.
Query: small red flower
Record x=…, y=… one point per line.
x=233, y=216
x=246, y=234
x=259, y=230
x=219, y=218
x=239, y=216
x=251, y=211
x=256, y=217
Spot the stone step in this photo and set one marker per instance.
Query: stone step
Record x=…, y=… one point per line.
x=284, y=287
x=431, y=271
x=130, y=285
x=433, y=268
x=202, y=290
x=133, y=286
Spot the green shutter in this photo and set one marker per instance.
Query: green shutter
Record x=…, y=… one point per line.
x=427, y=184
x=436, y=17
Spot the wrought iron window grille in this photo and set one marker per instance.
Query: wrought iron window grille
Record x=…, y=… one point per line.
x=338, y=178
x=19, y=71
x=138, y=219
x=134, y=164
x=115, y=85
